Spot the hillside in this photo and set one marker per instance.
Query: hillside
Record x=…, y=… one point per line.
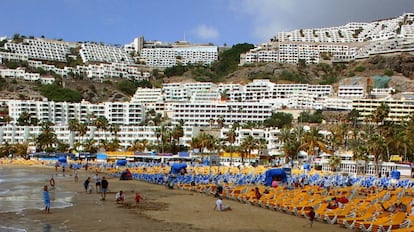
x=399, y=67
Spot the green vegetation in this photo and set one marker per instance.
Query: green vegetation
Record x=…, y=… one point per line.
x=315, y=117
x=129, y=87
x=359, y=69
x=58, y=94
x=388, y=72
x=279, y=120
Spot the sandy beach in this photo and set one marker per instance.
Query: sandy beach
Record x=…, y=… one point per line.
x=161, y=210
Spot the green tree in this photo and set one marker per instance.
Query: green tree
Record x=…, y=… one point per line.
x=279, y=120
x=47, y=138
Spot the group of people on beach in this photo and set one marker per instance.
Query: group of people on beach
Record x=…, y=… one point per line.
x=101, y=185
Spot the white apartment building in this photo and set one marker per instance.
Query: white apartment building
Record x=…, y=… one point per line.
x=351, y=91
x=23, y=75
x=400, y=109
x=146, y=95
x=171, y=56
x=104, y=71
x=178, y=92
x=382, y=92
x=210, y=96
x=59, y=113
x=344, y=43
x=270, y=135
x=13, y=56
x=201, y=113
x=127, y=135
x=40, y=49
x=90, y=52
x=335, y=103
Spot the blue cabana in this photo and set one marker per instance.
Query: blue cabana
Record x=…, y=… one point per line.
x=275, y=173
x=62, y=159
x=121, y=162
x=175, y=168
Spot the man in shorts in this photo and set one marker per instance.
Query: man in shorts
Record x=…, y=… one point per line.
x=104, y=188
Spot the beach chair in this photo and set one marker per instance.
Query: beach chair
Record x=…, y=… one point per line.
x=396, y=221
x=349, y=222
x=320, y=211
x=304, y=208
x=378, y=222
x=332, y=216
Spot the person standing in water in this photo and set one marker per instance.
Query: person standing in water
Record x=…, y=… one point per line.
x=46, y=199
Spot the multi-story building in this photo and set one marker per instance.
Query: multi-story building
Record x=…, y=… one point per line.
x=351, y=91
x=127, y=134
x=122, y=113
x=91, y=52
x=338, y=44
x=201, y=114
x=400, y=109
x=269, y=135
x=40, y=49
x=168, y=55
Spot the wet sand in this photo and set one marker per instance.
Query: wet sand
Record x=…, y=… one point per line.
x=161, y=210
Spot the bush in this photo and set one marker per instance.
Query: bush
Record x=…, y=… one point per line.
x=359, y=69
x=388, y=72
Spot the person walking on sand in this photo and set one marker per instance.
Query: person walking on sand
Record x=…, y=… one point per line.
x=86, y=184
x=76, y=176
x=97, y=183
x=311, y=216
x=138, y=198
x=104, y=188
x=46, y=199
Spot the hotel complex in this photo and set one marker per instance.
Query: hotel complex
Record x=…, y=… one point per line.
x=201, y=105
x=337, y=44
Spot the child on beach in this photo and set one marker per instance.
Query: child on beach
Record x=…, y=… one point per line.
x=120, y=197
x=311, y=216
x=76, y=176
x=46, y=199
x=137, y=199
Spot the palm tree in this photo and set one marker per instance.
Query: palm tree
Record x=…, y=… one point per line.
x=231, y=138
x=334, y=162
x=101, y=123
x=47, y=138
x=90, y=145
x=73, y=126
x=376, y=147
x=82, y=130
x=6, y=149
x=24, y=119
x=248, y=144
x=313, y=140
x=177, y=133
x=139, y=145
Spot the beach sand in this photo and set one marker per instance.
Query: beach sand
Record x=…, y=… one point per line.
x=161, y=209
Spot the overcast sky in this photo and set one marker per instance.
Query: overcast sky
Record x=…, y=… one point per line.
x=197, y=21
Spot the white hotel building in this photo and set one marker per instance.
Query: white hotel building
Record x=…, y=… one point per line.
x=127, y=135
x=91, y=52
x=400, y=109
x=40, y=49
x=59, y=113
x=200, y=114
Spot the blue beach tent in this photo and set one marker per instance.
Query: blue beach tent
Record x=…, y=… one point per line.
x=121, y=162
x=275, y=173
x=176, y=167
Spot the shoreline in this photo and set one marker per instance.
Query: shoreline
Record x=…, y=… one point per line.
x=161, y=210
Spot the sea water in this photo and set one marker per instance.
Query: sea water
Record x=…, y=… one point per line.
x=21, y=189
